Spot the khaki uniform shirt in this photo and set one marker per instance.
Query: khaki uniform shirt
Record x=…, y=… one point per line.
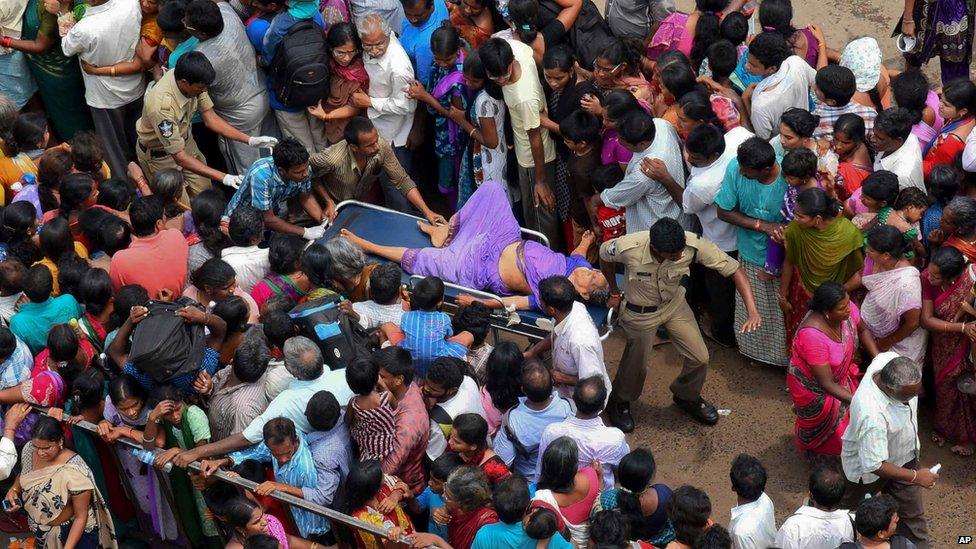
x=166, y=115
x=650, y=283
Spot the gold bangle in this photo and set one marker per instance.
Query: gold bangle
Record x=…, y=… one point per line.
x=471, y=133
x=113, y=70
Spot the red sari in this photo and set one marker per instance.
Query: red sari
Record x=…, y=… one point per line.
x=852, y=175
x=966, y=248
x=945, y=148
x=955, y=412
x=463, y=526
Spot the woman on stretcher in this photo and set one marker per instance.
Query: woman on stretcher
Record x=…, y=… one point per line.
x=482, y=248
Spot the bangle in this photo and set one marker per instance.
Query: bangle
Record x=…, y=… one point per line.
x=112, y=70
x=471, y=133
x=962, y=328
x=914, y=476
x=758, y=225
x=5, y=41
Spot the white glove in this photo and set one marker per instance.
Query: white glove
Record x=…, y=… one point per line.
x=314, y=233
x=233, y=181
x=262, y=141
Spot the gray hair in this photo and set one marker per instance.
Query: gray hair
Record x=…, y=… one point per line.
x=303, y=359
x=347, y=259
x=963, y=214
x=372, y=21
x=469, y=488
x=8, y=117
x=900, y=372
x=167, y=184
x=253, y=354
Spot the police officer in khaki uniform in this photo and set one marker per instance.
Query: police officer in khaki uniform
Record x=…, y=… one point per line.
x=655, y=263
x=164, y=134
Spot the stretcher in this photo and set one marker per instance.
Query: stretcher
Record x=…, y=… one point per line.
x=392, y=228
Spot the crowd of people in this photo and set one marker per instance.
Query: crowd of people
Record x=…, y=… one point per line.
x=169, y=171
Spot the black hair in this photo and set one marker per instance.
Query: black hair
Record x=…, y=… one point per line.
x=207, y=210
x=496, y=56
x=205, y=17
x=606, y=177
x=696, y=106
x=397, y=361
x=12, y=274
x=171, y=17
x=881, y=185
x=734, y=28
x=17, y=219
x=536, y=381
x=316, y=260
x=715, y=537
x=542, y=524
x=445, y=41
x=471, y=429
x=237, y=512
x=827, y=486
x=722, y=58
x=943, y=183
x=910, y=90
x=895, y=122
x=47, y=429
x=261, y=541
x=949, y=260
x=590, y=395
x=708, y=28
x=635, y=473
x=620, y=50
x=144, y=213
x=250, y=469
x=770, y=49
x=474, y=68
x=362, y=375
x=448, y=372
x=679, y=79
x=443, y=466
x=167, y=391
x=837, y=84
x=193, y=67
x=557, y=292
x=559, y=465
x=617, y=103
x=363, y=481
x=777, y=16
x=748, y=477
x=667, y=236
x=756, y=153
x=581, y=127
x=886, y=239
x=126, y=298
x=284, y=251
x=124, y=387
x=29, y=131
x=71, y=269
x=510, y=498
x=51, y=167
x=87, y=390
x=427, y=293
x=38, y=284
x=8, y=343
x=559, y=57
x=217, y=495
x=800, y=121
x=56, y=240
x=279, y=430
x=357, y=126
x=384, y=283
x=911, y=196
x=116, y=193
x=251, y=357
x=874, y=515
x=800, y=163
x=234, y=311
x=74, y=191
x=610, y=529
x=705, y=140
x=503, y=372
x=323, y=411
x=289, y=152
x=851, y=125
x=278, y=327
x=689, y=510
x=636, y=127
x=87, y=154
x=214, y=272
x=474, y=318
x=341, y=34
x=523, y=15
x=961, y=94
x=246, y=225
x=826, y=297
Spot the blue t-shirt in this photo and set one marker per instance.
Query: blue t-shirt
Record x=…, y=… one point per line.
x=429, y=501
x=753, y=199
x=416, y=41
x=426, y=334
x=512, y=536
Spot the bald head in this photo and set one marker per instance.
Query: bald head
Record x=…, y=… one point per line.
x=536, y=382
x=589, y=396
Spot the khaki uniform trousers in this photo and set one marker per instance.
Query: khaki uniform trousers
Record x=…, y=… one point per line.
x=151, y=163
x=640, y=328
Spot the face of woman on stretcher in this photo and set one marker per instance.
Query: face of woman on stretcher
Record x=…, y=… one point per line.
x=588, y=281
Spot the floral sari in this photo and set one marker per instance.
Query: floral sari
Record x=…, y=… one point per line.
x=890, y=295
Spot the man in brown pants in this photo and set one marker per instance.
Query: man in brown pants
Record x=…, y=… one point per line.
x=655, y=262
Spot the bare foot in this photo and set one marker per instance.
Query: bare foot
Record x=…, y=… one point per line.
x=437, y=233
x=964, y=451
x=938, y=440
x=366, y=245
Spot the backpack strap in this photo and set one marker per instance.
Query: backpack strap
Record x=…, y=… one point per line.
x=506, y=429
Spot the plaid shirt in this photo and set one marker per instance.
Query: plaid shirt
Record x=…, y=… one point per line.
x=264, y=189
x=828, y=115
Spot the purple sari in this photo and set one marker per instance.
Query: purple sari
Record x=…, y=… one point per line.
x=479, y=232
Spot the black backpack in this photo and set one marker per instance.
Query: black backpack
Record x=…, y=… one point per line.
x=588, y=36
x=300, y=66
x=163, y=345
x=341, y=339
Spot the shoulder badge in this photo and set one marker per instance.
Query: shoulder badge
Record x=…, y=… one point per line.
x=166, y=129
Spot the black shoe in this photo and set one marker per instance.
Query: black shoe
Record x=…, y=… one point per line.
x=700, y=410
x=619, y=415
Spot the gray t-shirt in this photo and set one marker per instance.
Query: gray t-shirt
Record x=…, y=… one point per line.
x=632, y=18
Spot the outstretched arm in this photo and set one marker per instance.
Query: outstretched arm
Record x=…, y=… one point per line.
x=745, y=290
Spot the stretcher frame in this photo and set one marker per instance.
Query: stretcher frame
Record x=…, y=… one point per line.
x=532, y=325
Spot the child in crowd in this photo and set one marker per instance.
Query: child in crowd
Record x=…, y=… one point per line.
x=834, y=87
x=88, y=156
x=800, y=170
x=371, y=412
x=475, y=319
x=469, y=439
x=249, y=261
x=385, y=304
x=879, y=190
x=541, y=524
x=943, y=183
x=431, y=499
x=608, y=223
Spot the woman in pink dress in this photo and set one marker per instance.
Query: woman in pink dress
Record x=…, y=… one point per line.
x=823, y=376
x=246, y=518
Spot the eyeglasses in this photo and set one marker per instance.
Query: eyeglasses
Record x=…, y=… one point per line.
x=598, y=68
x=378, y=47
x=339, y=54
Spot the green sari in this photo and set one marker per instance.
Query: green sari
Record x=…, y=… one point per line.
x=190, y=507
x=832, y=254
x=58, y=77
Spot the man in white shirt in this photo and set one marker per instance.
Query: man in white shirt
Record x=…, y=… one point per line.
x=819, y=524
x=880, y=446
x=595, y=440
x=107, y=35
x=898, y=148
x=650, y=194
x=387, y=104
x=454, y=394
x=785, y=85
x=509, y=64
x=753, y=522
x=709, y=153
x=577, y=352
x=250, y=263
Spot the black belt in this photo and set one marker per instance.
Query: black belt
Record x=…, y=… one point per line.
x=153, y=153
x=639, y=309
